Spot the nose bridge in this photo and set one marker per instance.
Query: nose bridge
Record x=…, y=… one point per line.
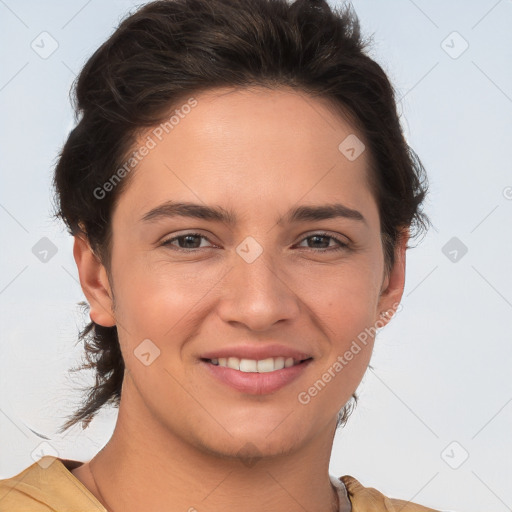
x=258, y=293
x=257, y=268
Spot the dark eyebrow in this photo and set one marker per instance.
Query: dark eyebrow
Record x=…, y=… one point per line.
x=323, y=212
x=197, y=211
x=219, y=214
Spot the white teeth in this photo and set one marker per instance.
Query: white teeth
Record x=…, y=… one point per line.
x=255, y=366
x=233, y=362
x=279, y=363
x=266, y=365
x=248, y=365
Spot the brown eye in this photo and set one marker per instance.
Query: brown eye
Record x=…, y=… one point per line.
x=322, y=241
x=187, y=241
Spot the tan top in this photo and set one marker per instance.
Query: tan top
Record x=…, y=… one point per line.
x=49, y=486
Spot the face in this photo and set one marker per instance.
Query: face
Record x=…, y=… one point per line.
x=252, y=279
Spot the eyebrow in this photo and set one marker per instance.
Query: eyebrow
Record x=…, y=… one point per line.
x=220, y=214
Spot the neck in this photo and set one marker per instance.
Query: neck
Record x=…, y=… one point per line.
x=146, y=467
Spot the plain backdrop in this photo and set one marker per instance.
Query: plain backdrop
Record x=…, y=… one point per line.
x=434, y=420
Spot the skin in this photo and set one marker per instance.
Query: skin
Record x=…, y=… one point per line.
x=257, y=152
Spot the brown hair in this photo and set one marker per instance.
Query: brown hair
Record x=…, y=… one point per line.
x=170, y=50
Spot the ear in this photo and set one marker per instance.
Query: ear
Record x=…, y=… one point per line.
x=393, y=285
x=94, y=282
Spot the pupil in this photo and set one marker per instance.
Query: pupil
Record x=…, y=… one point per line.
x=317, y=237
x=187, y=239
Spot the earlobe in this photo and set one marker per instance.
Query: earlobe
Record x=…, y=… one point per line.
x=394, y=283
x=94, y=282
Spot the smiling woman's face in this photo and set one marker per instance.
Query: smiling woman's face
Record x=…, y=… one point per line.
x=259, y=279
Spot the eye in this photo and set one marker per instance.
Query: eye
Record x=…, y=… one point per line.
x=191, y=241
x=323, y=240
x=185, y=242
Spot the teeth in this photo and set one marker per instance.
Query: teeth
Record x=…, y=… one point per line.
x=279, y=363
x=266, y=365
x=255, y=366
x=248, y=365
x=234, y=363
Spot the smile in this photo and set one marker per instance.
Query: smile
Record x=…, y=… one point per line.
x=255, y=377
x=270, y=364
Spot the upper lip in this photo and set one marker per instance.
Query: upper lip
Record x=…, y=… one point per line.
x=256, y=352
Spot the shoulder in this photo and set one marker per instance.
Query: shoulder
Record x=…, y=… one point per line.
x=46, y=486
x=370, y=499
x=23, y=492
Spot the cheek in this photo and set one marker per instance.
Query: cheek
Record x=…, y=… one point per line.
x=345, y=304
x=154, y=299
x=345, y=294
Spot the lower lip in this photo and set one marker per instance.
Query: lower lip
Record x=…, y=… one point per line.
x=256, y=383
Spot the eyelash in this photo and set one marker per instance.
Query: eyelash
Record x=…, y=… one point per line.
x=342, y=245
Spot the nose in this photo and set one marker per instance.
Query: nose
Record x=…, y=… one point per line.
x=258, y=294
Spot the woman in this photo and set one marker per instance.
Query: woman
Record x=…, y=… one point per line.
x=241, y=197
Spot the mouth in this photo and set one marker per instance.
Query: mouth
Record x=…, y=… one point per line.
x=270, y=364
x=256, y=377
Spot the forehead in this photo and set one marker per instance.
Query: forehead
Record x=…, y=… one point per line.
x=280, y=118
x=235, y=144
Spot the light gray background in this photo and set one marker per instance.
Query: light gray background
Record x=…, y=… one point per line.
x=441, y=368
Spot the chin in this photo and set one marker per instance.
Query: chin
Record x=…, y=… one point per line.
x=259, y=438
x=249, y=448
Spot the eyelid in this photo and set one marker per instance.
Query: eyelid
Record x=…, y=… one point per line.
x=337, y=236
x=341, y=243
x=167, y=241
